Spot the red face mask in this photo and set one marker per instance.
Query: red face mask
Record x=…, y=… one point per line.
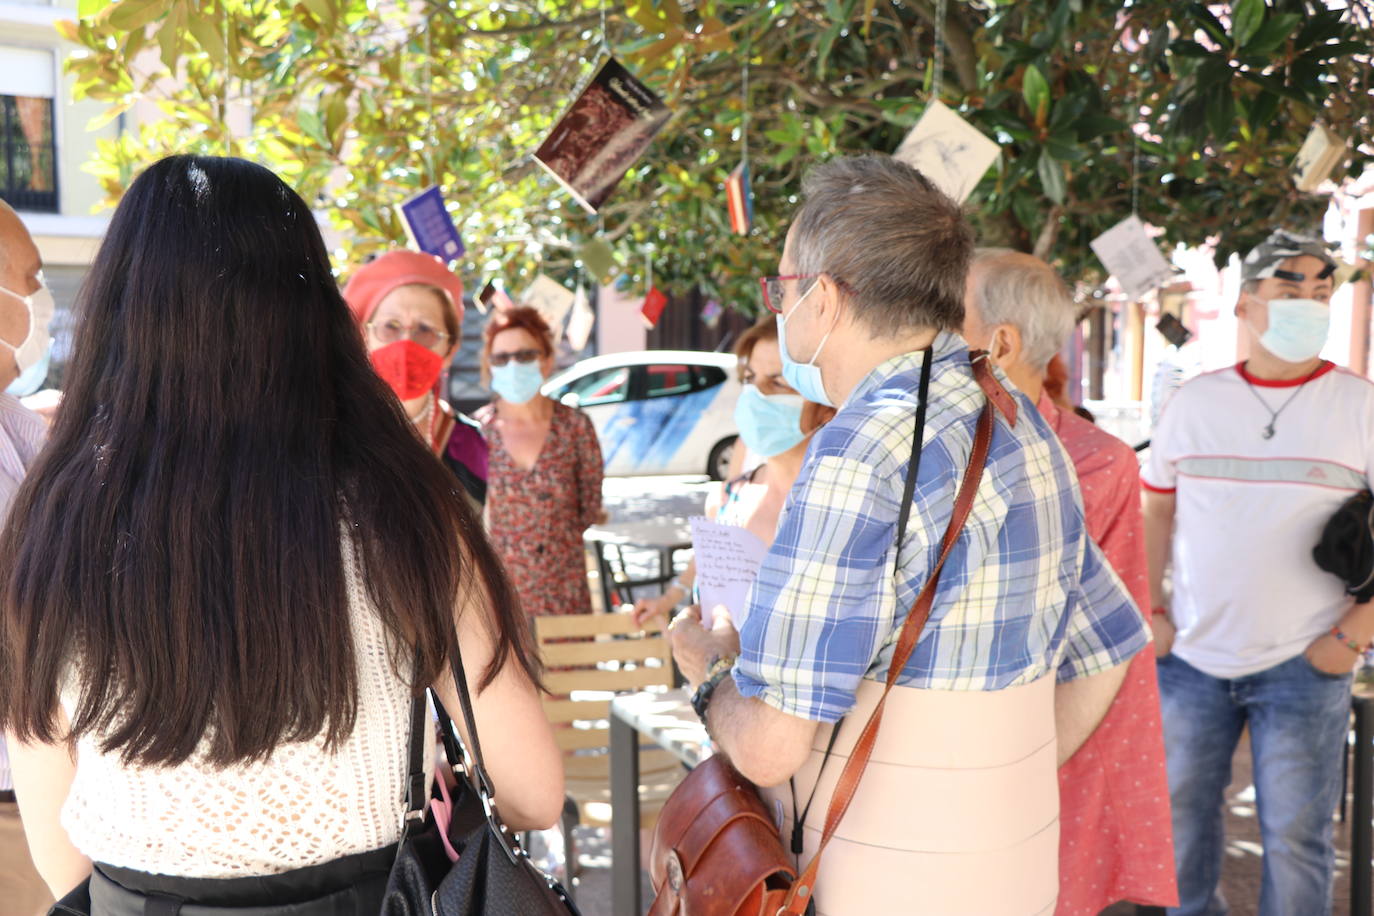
x=410, y=369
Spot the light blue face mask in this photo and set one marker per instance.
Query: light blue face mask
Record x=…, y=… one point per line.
x=31, y=379
x=1297, y=329
x=517, y=382
x=805, y=377
x=769, y=424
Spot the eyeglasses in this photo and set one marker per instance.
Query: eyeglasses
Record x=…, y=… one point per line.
x=520, y=356
x=390, y=331
x=774, y=291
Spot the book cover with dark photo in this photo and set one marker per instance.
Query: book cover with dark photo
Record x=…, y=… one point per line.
x=606, y=130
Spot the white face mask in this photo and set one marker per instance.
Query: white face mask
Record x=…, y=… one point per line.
x=33, y=348
x=1297, y=329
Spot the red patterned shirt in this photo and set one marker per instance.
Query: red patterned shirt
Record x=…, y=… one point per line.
x=1115, y=831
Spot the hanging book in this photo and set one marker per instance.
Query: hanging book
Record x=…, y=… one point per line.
x=1321, y=152
x=740, y=200
x=711, y=312
x=493, y=296
x=1130, y=255
x=598, y=259
x=551, y=299
x=607, y=128
x=652, y=309
x=580, y=322
x=430, y=227
x=948, y=150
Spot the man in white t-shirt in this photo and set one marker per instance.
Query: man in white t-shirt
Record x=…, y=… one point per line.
x=1247, y=464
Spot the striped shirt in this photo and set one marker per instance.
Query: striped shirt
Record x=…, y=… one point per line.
x=1025, y=591
x=21, y=436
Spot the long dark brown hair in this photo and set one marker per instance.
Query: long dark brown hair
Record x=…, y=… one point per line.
x=177, y=550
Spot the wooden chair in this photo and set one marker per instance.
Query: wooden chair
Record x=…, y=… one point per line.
x=588, y=659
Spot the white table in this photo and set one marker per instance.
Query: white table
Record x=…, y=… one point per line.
x=668, y=720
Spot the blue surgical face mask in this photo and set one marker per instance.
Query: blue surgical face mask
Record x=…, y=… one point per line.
x=1297, y=329
x=805, y=377
x=517, y=382
x=31, y=379
x=769, y=424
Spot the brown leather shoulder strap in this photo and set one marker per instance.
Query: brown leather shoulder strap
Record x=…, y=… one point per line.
x=854, y=767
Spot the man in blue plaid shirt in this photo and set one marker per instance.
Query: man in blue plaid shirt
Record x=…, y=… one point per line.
x=871, y=277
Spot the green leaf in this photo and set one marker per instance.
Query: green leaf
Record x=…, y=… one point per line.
x=127, y=15
x=1262, y=110
x=1276, y=30
x=1209, y=23
x=169, y=38
x=1221, y=114
x=313, y=127
x=1246, y=18
x=206, y=31
x=1051, y=177
x=1036, y=92
x=646, y=13
x=326, y=13
x=88, y=9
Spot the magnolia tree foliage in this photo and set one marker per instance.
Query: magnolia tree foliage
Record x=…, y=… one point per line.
x=1190, y=112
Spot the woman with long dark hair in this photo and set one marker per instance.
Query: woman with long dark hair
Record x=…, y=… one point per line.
x=232, y=567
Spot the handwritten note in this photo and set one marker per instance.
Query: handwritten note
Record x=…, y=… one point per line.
x=728, y=560
x=1130, y=255
x=948, y=150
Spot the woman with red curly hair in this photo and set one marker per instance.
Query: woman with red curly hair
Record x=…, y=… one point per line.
x=544, y=483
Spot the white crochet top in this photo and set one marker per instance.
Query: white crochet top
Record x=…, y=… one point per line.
x=303, y=806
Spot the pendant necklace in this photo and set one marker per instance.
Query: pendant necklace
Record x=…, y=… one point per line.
x=1268, y=431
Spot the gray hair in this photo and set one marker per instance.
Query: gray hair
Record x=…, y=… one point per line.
x=896, y=245
x=1011, y=287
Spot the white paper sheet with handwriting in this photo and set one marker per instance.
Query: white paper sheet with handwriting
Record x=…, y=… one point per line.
x=728, y=560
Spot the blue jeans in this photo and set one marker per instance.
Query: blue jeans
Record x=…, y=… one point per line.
x=1298, y=718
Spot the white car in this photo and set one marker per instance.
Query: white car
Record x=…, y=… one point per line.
x=656, y=411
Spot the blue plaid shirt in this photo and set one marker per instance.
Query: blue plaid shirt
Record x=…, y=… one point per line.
x=1025, y=592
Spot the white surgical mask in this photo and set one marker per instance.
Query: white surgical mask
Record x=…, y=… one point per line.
x=29, y=352
x=1297, y=329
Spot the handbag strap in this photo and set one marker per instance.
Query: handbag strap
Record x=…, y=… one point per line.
x=997, y=398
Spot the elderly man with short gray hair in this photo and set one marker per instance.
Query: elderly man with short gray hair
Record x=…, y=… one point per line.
x=957, y=811
x=1115, y=840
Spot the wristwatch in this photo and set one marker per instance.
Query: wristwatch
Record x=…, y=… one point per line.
x=718, y=669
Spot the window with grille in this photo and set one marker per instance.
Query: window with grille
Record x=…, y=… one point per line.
x=28, y=153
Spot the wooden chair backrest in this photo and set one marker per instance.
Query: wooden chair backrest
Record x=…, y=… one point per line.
x=601, y=654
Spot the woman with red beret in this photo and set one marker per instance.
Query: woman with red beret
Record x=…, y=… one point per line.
x=409, y=307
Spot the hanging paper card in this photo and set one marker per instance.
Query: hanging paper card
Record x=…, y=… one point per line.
x=711, y=312
x=607, y=128
x=551, y=299
x=740, y=200
x=430, y=227
x=1321, y=152
x=598, y=258
x=654, y=304
x=580, y=322
x=1130, y=255
x=493, y=296
x=948, y=150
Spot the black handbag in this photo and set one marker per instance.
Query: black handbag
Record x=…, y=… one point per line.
x=1346, y=548
x=493, y=875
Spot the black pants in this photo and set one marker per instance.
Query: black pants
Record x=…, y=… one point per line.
x=351, y=886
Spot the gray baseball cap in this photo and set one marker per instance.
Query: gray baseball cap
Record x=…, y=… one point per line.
x=1263, y=262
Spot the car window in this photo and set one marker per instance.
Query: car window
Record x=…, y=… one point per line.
x=664, y=381
x=708, y=376
x=607, y=386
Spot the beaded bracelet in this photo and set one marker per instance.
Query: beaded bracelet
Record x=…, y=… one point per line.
x=1347, y=641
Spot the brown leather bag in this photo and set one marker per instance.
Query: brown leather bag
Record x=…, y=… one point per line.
x=716, y=849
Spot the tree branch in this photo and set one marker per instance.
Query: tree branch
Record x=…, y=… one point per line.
x=958, y=41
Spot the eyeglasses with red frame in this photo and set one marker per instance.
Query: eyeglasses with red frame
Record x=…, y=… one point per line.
x=773, y=290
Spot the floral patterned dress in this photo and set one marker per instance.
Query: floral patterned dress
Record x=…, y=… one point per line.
x=536, y=518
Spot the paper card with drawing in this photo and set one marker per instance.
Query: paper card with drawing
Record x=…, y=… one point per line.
x=1130, y=255
x=728, y=560
x=948, y=150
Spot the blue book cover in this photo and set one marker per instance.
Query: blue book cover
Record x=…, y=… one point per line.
x=430, y=227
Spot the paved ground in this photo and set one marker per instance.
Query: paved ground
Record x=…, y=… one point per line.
x=634, y=499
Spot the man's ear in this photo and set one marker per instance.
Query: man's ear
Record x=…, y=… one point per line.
x=1004, y=347
x=831, y=298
